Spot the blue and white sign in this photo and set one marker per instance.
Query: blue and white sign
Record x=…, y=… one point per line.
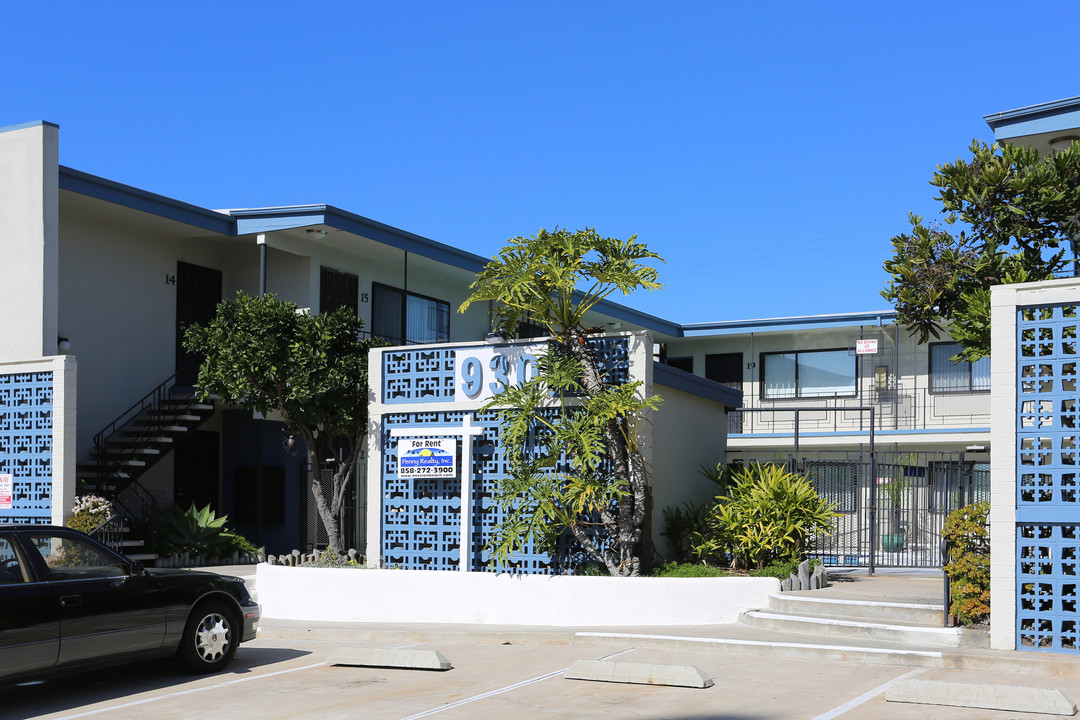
x=427, y=457
x=481, y=373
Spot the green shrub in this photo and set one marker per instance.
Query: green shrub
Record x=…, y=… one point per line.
x=681, y=525
x=968, y=534
x=688, y=570
x=330, y=559
x=770, y=514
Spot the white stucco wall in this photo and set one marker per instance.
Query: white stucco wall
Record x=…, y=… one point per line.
x=687, y=432
x=420, y=596
x=29, y=175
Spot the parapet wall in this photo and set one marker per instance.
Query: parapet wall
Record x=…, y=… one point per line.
x=483, y=598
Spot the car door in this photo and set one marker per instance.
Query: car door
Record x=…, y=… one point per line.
x=30, y=622
x=105, y=610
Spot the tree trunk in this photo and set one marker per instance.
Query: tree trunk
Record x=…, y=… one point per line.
x=326, y=513
x=631, y=542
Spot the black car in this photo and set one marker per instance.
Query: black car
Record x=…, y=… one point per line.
x=69, y=603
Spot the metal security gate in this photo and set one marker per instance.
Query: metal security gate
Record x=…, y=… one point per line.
x=891, y=508
x=351, y=520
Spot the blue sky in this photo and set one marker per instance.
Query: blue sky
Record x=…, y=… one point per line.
x=768, y=151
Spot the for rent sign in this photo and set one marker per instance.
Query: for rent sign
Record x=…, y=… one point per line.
x=427, y=457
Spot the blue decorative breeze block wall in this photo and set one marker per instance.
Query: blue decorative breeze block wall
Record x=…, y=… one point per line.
x=421, y=517
x=26, y=444
x=412, y=376
x=1048, y=466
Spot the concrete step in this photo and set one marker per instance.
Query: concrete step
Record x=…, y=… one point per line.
x=189, y=405
x=134, y=437
x=135, y=451
x=879, y=612
x=172, y=428
x=852, y=629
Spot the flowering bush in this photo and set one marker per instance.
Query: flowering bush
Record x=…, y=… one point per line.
x=89, y=512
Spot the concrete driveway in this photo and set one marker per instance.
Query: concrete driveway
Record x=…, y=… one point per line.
x=280, y=678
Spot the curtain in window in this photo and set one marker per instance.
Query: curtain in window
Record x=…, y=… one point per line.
x=386, y=317
x=426, y=320
x=826, y=373
x=779, y=375
x=947, y=376
x=980, y=374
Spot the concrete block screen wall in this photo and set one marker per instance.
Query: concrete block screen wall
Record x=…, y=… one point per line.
x=429, y=393
x=1035, y=466
x=36, y=424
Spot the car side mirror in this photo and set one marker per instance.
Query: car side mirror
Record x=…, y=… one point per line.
x=136, y=568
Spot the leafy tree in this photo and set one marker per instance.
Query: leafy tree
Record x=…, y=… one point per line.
x=264, y=355
x=1019, y=210
x=601, y=494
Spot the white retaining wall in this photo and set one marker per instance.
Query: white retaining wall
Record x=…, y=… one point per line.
x=421, y=596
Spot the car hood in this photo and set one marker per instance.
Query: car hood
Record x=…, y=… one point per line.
x=174, y=572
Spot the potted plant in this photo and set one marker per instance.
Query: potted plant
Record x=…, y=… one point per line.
x=892, y=495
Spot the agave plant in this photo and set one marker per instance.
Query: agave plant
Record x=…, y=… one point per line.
x=198, y=531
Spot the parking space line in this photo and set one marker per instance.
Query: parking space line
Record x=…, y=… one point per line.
x=866, y=696
x=500, y=691
x=147, y=701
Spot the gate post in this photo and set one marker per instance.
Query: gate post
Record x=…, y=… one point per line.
x=873, y=498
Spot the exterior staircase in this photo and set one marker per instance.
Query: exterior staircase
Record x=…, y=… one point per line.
x=125, y=449
x=130, y=449
x=855, y=620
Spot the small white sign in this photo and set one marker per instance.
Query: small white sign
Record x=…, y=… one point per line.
x=866, y=347
x=7, y=491
x=427, y=458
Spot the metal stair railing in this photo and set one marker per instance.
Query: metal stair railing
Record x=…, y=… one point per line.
x=114, y=467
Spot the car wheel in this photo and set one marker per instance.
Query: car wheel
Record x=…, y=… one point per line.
x=210, y=638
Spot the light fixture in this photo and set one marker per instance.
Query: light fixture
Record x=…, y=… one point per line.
x=615, y=325
x=63, y=345
x=316, y=233
x=496, y=337
x=1063, y=142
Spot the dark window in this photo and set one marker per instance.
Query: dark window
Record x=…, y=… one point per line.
x=338, y=289
x=247, y=494
x=10, y=568
x=404, y=317
x=528, y=328
x=807, y=373
x=947, y=376
x=682, y=363
x=725, y=368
